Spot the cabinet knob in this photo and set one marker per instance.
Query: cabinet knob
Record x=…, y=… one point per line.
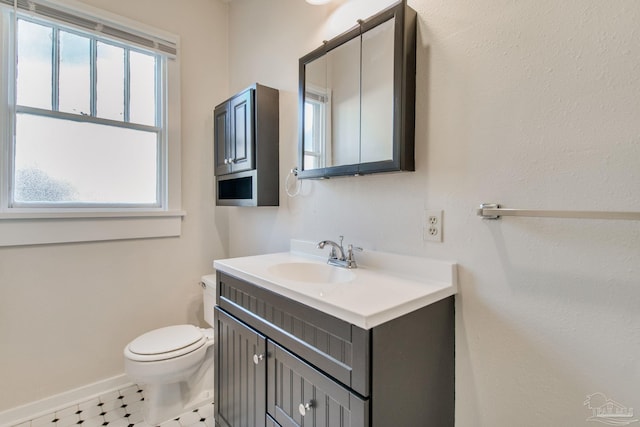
x=257, y=358
x=226, y=161
x=304, y=407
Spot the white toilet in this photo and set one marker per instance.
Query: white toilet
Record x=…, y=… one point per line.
x=174, y=365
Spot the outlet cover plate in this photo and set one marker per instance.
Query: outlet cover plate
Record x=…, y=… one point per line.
x=432, y=230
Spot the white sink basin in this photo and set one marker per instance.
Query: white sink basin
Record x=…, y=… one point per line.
x=311, y=272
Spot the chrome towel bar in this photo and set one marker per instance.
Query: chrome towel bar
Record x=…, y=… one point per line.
x=494, y=211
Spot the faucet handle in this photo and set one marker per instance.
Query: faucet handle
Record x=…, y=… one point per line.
x=352, y=248
x=351, y=261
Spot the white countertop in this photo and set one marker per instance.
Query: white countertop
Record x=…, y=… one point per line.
x=383, y=287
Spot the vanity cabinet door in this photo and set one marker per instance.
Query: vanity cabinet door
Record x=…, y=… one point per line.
x=240, y=377
x=271, y=422
x=299, y=395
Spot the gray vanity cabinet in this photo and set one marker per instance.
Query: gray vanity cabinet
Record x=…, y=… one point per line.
x=280, y=363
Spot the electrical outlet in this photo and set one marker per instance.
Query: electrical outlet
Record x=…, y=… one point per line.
x=432, y=230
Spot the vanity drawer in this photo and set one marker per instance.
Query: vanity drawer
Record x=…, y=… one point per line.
x=298, y=394
x=335, y=347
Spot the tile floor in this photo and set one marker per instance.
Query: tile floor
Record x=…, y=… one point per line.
x=121, y=408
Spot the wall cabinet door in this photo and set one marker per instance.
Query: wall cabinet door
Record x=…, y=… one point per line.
x=234, y=134
x=221, y=139
x=241, y=131
x=299, y=395
x=240, y=376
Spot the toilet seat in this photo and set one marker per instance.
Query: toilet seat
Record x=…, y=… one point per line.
x=165, y=343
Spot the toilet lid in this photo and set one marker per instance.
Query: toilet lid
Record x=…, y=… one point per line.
x=168, y=340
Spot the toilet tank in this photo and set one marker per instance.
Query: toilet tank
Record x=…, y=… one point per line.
x=209, y=297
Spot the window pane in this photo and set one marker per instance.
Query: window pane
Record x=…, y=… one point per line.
x=110, y=82
x=142, y=92
x=34, y=65
x=65, y=161
x=310, y=123
x=75, y=74
x=313, y=141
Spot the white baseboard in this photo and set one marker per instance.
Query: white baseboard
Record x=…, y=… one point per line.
x=50, y=404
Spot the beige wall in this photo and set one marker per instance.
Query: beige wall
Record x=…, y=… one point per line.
x=67, y=311
x=532, y=104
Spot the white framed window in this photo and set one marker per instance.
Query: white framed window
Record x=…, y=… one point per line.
x=90, y=125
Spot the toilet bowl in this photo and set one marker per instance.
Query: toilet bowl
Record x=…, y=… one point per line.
x=174, y=365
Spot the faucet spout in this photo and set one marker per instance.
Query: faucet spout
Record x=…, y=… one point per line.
x=337, y=252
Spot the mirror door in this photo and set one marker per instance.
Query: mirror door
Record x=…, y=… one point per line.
x=357, y=95
x=376, y=123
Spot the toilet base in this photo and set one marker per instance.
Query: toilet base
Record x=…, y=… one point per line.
x=164, y=402
x=168, y=402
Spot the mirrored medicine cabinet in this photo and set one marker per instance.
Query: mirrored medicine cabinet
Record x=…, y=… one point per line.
x=357, y=99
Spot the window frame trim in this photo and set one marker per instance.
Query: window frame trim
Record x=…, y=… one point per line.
x=94, y=223
x=54, y=112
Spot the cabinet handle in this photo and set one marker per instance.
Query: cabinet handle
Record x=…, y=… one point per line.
x=226, y=161
x=304, y=407
x=257, y=358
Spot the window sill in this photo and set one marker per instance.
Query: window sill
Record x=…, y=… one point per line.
x=37, y=228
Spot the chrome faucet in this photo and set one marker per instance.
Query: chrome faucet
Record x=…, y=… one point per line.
x=337, y=256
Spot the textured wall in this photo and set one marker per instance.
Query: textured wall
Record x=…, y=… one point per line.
x=532, y=104
x=67, y=311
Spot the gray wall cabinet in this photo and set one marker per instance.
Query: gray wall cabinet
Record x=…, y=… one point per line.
x=246, y=148
x=282, y=363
